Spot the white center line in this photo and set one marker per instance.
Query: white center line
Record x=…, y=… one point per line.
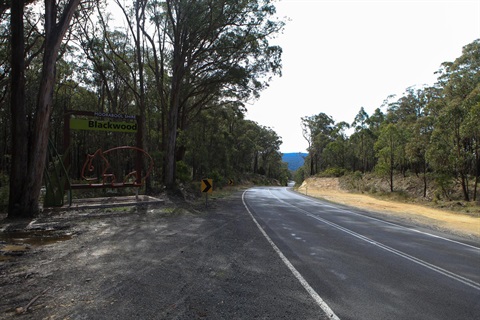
x=404, y=255
x=316, y=297
x=387, y=222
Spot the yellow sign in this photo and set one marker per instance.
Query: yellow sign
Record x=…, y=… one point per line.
x=84, y=124
x=207, y=185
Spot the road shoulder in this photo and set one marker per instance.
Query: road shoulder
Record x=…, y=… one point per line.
x=441, y=220
x=156, y=263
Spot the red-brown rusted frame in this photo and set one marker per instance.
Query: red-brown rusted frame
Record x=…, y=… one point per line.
x=88, y=167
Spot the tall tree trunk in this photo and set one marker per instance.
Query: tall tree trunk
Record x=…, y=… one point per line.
x=363, y=153
x=178, y=73
x=26, y=190
x=142, y=127
x=424, y=179
x=171, y=142
x=475, y=189
x=20, y=128
x=464, y=184
x=477, y=173
x=392, y=166
x=172, y=121
x=312, y=164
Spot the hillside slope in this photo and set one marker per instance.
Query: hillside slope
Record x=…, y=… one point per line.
x=329, y=189
x=294, y=160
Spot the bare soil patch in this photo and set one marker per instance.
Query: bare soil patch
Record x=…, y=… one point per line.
x=329, y=189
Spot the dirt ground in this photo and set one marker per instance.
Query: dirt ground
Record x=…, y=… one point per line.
x=86, y=263
x=174, y=260
x=329, y=189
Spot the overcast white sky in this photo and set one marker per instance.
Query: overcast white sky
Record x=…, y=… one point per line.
x=341, y=55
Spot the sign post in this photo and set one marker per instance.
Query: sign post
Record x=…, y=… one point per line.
x=206, y=187
x=90, y=120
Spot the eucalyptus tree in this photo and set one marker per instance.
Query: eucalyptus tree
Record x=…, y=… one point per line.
x=246, y=149
x=208, y=144
x=268, y=146
x=336, y=153
x=375, y=121
x=29, y=150
x=108, y=62
x=471, y=128
x=454, y=146
x=223, y=144
x=389, y=150
x=362, y=139
x=25, y=37
x=409, y=107
x=135, y=19
x=419, y=123
x=317, y=130
x=408, y=113
x=222, y=140
x=4, y=57
x=4, y=91
x=213, y=52
x=111, y=70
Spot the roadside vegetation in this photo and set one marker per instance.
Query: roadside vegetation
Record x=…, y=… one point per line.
x=409, y=189
x=185, y=70
x=422, y=145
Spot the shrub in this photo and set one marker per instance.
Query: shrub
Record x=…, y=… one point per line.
x=218, y=179
x=444, y=184
x=183, y=172
x=299, y=175
x=333, y=172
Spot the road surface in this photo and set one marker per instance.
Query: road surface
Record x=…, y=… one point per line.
x=358, y=266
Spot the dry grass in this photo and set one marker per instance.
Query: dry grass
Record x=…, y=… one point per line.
x=329, y=189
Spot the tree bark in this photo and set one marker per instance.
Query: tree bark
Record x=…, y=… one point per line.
x=25, y=193
x=464, y=184
x=170, y=153
x=476, y=169
x=178, y=73
x=424, y=179
x=17, y=105
x=392, y=167
x=171, y=140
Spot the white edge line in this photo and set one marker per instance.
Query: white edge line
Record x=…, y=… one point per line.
x=402, y=254
x=384, y=221
x=323, y=305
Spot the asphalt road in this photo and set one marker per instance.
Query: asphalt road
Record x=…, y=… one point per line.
x=161, y=262
x=357, y=265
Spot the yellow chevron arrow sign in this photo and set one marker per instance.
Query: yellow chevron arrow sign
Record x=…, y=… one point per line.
x=206, y=185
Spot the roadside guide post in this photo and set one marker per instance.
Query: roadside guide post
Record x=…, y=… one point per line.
x=206, y=187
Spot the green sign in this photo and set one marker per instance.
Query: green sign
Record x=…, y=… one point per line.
x=83, y=124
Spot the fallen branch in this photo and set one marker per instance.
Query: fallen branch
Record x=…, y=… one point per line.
x=21, y=310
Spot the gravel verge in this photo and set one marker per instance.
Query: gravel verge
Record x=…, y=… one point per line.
x=170, y=261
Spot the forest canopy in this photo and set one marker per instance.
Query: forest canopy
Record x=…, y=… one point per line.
x=184, y=69
x=430, y=131
x=180, y=73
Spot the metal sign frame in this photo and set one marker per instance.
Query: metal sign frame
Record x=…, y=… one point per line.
x=91, y=114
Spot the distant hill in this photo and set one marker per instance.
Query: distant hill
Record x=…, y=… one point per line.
x=295, y=160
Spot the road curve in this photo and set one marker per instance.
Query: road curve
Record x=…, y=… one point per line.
x=364, y=267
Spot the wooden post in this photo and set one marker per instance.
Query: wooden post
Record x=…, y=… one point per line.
x=138, y=159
